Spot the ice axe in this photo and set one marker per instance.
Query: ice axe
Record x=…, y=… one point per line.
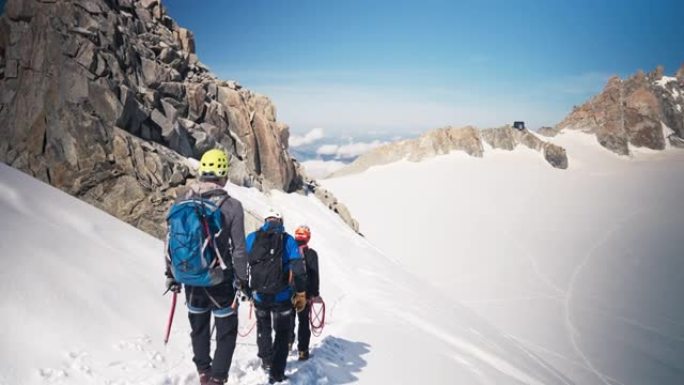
x=170, y=321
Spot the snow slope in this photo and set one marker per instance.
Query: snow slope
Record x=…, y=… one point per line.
x=583, y=267
x=82, y=304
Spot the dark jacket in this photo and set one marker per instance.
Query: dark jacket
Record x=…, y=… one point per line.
x=231, y=240
x=312, y=278
x=292, y=261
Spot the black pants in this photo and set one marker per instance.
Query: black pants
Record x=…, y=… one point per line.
x=202, y=302
x=303, y=331
x=273, y=351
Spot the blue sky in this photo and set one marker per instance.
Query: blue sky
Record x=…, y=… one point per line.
x=369, y=68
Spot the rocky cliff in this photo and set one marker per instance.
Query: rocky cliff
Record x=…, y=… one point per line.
x=645, y=110
x=467, y=139
x=105, y=99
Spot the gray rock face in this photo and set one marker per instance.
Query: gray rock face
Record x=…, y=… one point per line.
x=444, y=140
x=549, y=132
x=555, y=155
x=633, y=112
x=328, y=199
x=103, y=99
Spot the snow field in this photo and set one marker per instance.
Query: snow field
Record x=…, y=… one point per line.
x=579, y=266
x=82, y=304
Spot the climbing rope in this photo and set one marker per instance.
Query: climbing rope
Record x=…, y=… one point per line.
x=317, y=316
x=251, y=328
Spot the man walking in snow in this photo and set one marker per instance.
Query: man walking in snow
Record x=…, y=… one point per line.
x=209, y=286
x=302, y=236
x=275, y=264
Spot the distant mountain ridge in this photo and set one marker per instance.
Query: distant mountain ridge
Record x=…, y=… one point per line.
x=468, y=139
x=646, y=110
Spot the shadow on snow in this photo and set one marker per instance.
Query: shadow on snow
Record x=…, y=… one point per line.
x=334, y=361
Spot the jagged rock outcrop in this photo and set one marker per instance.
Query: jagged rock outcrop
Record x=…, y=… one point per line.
x=328, y=199
x=507, y=138
x=444, y=140
x=333, y=204
x=645, y=110
x=104, y=99
x=549, y=132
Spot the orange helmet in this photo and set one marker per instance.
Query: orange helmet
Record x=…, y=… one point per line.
x=303, y=233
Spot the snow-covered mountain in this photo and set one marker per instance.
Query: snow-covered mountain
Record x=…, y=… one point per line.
x=643, y=111
x=82, y=304
x=582, y=267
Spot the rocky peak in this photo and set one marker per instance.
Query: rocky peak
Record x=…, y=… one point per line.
x=106, y=98
x=645, y=110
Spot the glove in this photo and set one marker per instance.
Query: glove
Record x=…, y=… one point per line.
x=172, y=285
x=245, y=289
x=299, y=301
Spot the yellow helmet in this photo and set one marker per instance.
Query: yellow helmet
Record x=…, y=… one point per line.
x=214, y=162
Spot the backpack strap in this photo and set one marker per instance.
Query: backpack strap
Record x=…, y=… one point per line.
x=221, y=261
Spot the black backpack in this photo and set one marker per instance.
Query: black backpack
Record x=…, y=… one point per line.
x=266, y=275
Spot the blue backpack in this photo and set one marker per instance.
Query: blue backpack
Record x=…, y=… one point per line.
x=193, y=226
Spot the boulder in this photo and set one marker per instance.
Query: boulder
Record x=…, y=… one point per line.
x=104, y=101
x=179, y=140
x=555, y=155
x=501, y=137
x=168, y=55
x=333, y=204
x=203, y=141
x=196, y=96
x=89, y=6
x=229, y=97
x=529, y=140
x=133, y=113
x=148, y=4
x=164, y=124
x=175, y=90
x=676, y=141
x=17, y=10
x=151, y=71
x=186, y=40
x=549, y=132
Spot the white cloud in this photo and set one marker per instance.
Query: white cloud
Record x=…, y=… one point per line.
x=327, y=149
x=350, y=150
x=320, y=169
x=312, y=136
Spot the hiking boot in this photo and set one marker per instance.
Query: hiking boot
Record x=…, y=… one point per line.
x=266, y=365
x=274, y=379
x=216, y=381
x=203, y=377
x=303, y=355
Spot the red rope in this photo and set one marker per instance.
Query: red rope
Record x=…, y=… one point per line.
x=251, y=328
x=317, y=316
